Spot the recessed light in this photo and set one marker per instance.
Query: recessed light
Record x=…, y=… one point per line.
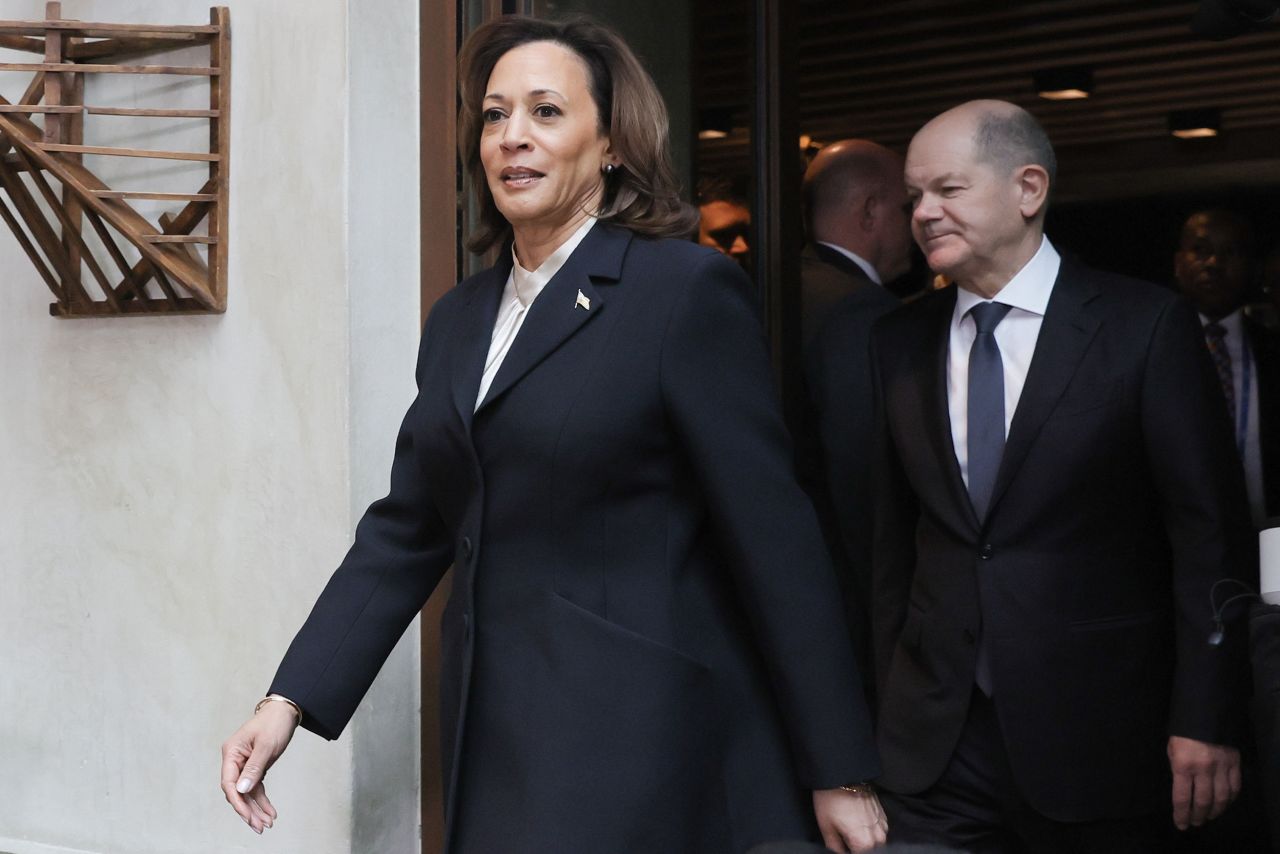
x=1195, y=124
x=715, y=122
x=1064, y=84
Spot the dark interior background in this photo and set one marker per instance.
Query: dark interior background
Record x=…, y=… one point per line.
x=880, y=70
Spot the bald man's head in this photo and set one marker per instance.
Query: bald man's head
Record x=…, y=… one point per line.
x=1004, y=135
x=1010, y=138
x=854, y=198
x=978, y=176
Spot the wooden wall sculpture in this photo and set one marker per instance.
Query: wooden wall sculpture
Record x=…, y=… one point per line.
x=173, y=274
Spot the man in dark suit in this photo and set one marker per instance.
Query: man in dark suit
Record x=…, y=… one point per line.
x=860, y=238
x=1055, y=499
x=856, y=212
x=1213, y=266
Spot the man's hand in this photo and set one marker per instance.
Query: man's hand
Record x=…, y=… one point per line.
x=1206, y=779
x=849, y=821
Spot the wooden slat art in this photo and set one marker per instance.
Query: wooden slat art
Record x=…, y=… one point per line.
x=177, y=271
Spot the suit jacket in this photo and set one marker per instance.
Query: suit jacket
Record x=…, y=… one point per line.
x=1117, y=506
x=639, y=650
x=1264, y=637
x=834, y=442
x=1265, y=345
x=827, y=278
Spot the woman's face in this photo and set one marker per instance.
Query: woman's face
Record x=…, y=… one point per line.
x=541, y=146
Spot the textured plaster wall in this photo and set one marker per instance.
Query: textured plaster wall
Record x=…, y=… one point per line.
x=174, y=492
x=383, y=268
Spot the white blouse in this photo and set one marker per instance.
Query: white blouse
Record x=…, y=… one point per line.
x=521, y=290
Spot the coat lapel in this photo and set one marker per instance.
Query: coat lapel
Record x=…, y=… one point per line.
x=1065, y=335
x=475, y=332
x=558, y=312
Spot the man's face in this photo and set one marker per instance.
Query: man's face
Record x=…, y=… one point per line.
x=724, y=226
x=965, y=214
x=1212, y=264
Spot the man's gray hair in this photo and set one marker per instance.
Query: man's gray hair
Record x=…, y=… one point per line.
x=1009, y=140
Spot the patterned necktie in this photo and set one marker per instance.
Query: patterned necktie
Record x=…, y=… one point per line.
x=986, y=405
x=1215, y=337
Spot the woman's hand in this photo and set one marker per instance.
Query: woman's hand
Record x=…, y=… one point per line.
x=248, y=754
x=850, y=821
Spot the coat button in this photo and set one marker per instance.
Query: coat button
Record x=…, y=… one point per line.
x=987, y=551
x=969, y=637
x=466, y=548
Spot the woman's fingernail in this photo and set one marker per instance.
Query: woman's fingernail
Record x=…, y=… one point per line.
x=244, y=785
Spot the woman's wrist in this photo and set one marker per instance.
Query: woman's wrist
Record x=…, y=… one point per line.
x=859, y=789
x=278, y=699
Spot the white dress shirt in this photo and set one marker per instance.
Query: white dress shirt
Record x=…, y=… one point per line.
x=521, y=290
x=1028, y=294
x=1248, y=442
x=857, y=259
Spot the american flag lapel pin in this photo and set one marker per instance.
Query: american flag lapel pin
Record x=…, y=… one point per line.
x=582, y=301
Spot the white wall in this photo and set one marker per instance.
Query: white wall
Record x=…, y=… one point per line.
x=175, y=491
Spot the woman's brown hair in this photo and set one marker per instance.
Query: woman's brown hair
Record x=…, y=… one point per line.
x=642, y=193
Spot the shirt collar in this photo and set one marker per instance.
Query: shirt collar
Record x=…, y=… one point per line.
x=857, y=259
x=1028, y=290
x=528, y=284
x=1231, y=323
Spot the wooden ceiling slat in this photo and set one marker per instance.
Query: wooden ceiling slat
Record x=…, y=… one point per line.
x=881, y=70
x=1150, y=61
x=931, y=37
x=913, y=17
x=1099, y=51
x=1188, y=92
x=1203, y=85
x=1155, y=65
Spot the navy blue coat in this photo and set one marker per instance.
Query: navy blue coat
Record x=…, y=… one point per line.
x=643, y=650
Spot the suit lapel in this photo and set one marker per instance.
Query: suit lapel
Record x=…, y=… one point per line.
x=475, y=333
x=932, y=368
x=1065, y=335
x=558, y=312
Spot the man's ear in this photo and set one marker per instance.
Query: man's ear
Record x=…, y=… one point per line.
x=1033, y=190
x=869, y=212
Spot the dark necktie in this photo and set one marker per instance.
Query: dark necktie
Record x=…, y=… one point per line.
x=1215, y=337
x=986, y=405
x=986, y=435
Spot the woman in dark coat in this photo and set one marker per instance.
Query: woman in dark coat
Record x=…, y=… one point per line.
x=643, y=649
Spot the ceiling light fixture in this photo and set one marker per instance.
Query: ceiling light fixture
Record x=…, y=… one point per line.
x=1064, y=84
x=1195, y=124
x=715, y=123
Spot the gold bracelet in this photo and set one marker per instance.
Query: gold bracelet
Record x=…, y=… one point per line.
x=276, y=698
x=859, y=789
